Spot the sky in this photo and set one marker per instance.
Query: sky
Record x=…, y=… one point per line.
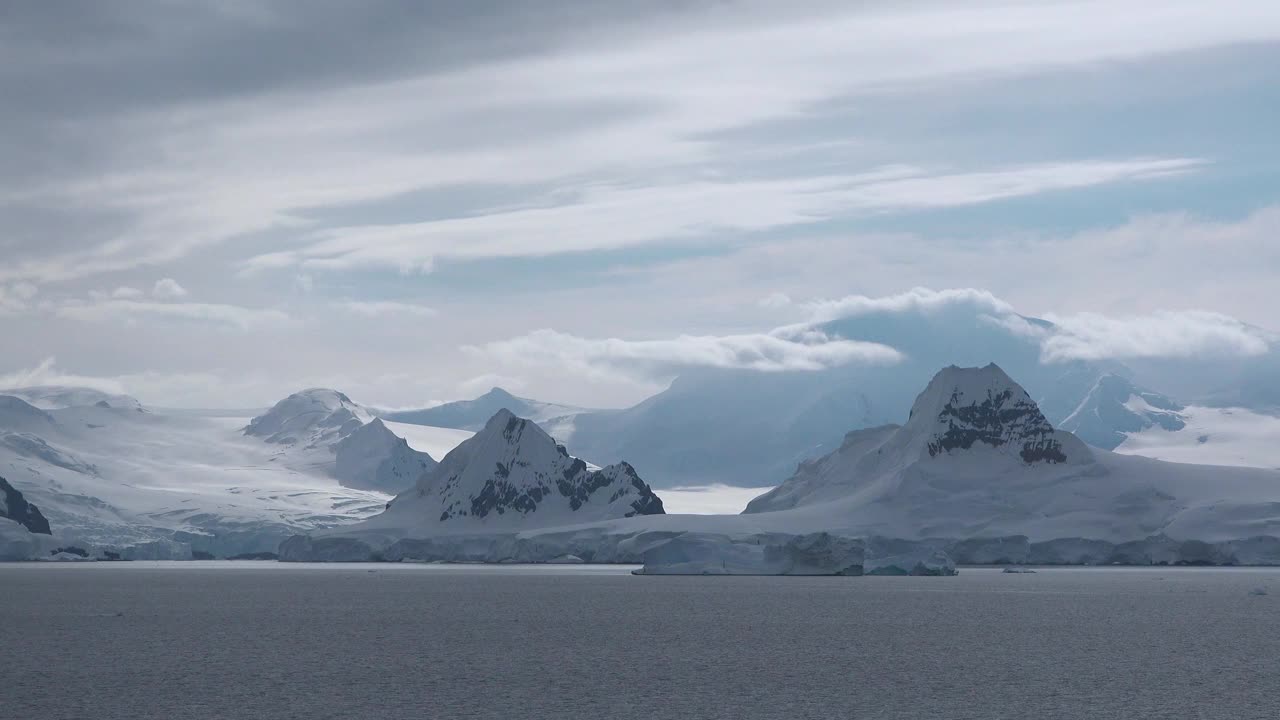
x=216, y=203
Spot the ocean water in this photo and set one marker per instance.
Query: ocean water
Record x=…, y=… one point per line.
x=262, y=640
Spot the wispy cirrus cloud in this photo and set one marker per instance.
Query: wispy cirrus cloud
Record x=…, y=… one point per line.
x=230, y=316
x=633, y=108
x=378, y=308
x=609, y=218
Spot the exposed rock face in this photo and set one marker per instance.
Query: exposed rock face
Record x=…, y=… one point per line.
x=989, y=408
x=512, y=472
x=978, y=418
x=16, y=508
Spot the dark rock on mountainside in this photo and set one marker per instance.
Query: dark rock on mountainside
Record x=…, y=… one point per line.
x=15, y=507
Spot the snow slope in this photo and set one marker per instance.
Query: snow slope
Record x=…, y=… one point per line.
x=324, y=429
x=56, y=397
x=163, y=484
x=1213, y=436
x=1117, y=415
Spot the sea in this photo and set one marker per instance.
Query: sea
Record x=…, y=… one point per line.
x=266, y=640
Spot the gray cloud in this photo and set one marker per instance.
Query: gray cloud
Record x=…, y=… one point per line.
x=613, y=170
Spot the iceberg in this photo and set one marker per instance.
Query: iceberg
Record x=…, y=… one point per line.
x=694, y=553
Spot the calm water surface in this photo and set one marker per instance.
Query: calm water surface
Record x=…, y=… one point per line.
x=261, y=640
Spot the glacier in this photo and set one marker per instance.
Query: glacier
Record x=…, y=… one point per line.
x=116, y=477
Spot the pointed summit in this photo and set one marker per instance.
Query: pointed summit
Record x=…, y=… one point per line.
x=971, y=427
x=513, y=473
x=966, y=407
x=374, y=458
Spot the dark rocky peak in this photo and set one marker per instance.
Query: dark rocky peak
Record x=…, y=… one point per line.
x=965, y=407
x=16, y=508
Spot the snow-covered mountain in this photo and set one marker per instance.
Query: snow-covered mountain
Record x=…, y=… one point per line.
x=513, y=474
x=155, y=484
x=326, y=430
x=474, y=414
x=746, y=428
x=976, y=474
x=57, y=397
x=1117, y=415
x=1115, y=408
x=978, y=459
x=372, y=457
x=310, y=418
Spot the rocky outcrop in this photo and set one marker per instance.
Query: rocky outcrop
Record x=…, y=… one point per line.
x=16, y=508
x=989, y=408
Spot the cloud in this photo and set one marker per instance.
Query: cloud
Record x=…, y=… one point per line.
x=127, y=293
x=774, y=301
x=611, y=218
x=46, y=373
x=168, y=289
x=1192, y=333
x=232, y=316
x=632, y=104
x=16, y=297
x=916, y=300
x=380, y=308
x=763, y=352
x=1079, y=336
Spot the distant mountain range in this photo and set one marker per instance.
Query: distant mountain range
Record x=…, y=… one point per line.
x=473, y=414
x=977, y=473
x=748, y=428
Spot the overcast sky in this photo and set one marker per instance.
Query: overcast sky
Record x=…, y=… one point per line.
x=216, y=203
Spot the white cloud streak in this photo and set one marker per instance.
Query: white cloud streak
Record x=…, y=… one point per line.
x=47, y=373
x=612, y=218
x=209, y=171
x=1090, y=336
x=764, y=352
x=231, y=316
x=379, y=308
